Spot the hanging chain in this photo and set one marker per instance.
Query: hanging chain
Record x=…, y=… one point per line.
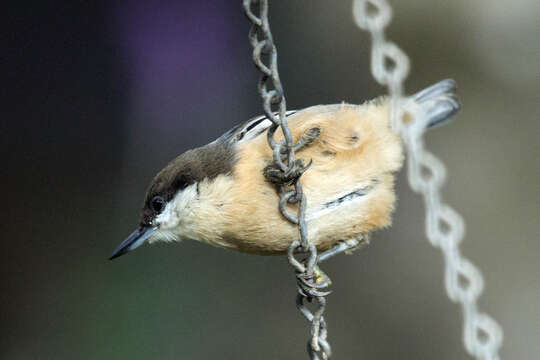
x=310, y=286
x=445, y=228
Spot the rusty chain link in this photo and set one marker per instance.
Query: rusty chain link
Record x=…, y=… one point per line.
x=445, y=228
x=289, y=188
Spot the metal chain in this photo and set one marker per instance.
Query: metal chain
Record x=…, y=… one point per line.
x=445, y=228
x=289, y=188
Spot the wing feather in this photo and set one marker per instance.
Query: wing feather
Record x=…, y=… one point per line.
x=249, y=129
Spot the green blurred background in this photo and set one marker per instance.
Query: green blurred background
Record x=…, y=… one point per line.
x=100, y=95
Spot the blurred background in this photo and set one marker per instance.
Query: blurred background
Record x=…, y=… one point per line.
x=98, y=96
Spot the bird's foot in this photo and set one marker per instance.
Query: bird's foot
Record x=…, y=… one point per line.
x=320, y=276
x=347, y=247
x=309, y=136
x=275, y=175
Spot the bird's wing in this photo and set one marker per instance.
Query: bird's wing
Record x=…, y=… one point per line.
x=439, y=101
x=249, y=129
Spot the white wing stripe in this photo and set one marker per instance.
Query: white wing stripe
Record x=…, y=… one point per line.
x=255, y=127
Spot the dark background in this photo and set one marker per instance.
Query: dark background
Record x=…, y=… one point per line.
x=98, y=96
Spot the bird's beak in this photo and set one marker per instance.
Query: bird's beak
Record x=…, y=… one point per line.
x=133, y=241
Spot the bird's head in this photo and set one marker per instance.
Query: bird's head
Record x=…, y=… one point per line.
x=173, y=192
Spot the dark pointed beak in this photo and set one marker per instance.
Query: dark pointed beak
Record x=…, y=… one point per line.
x=133, y=241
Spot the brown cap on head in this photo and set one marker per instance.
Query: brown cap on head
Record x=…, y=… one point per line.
x=193, y=166
x=190, y=167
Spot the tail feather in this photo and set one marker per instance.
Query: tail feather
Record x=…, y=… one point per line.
x=439, y=102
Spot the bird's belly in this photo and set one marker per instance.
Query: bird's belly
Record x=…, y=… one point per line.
x=349, y=186
x=336, y=203
x=331, y=216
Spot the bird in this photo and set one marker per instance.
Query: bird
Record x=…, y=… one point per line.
x=221, y=194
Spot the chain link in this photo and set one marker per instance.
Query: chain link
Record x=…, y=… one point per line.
x=445, y=228
x=310, y=288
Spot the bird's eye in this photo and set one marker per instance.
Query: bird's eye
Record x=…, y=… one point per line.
x=158, y=204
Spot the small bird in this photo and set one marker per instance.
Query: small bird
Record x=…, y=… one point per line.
x=220, y=193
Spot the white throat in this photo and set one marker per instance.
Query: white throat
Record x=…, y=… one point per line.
x=176, y=216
